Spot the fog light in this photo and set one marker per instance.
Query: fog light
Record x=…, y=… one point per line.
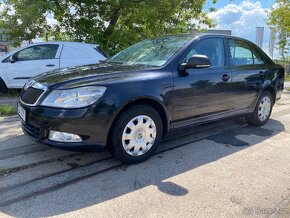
x=63, y=137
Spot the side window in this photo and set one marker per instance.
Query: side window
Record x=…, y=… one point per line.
x=243, y=54
x=258, y=58
x=213, y=48
x=38, y=52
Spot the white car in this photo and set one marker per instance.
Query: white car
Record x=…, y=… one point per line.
x=19, y=65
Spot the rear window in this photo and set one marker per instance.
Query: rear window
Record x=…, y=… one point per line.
x=70, y=52
x=243, y=53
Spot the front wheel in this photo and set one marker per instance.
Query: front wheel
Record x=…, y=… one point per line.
x=263, y=110
x=136, y=134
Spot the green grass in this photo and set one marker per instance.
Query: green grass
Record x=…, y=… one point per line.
x=6, y=110
x=11, y=93
x=288, y=89
x=287, y=77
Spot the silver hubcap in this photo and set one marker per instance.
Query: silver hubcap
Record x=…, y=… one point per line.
x=264, y=108
x=139, y=135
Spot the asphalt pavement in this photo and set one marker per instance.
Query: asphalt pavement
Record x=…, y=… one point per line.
x=223, y=169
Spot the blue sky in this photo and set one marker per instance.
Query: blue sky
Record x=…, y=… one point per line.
x=242, y=17
x=222, y=3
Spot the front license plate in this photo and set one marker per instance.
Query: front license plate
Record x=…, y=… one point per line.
x=22, y=113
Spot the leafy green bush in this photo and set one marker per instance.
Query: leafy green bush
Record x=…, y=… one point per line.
x=6, y=110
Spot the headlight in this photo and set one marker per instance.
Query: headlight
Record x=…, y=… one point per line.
x=74, y=98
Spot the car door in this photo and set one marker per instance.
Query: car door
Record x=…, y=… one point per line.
x=202, y=92
x=248, y=67
x=30, y=62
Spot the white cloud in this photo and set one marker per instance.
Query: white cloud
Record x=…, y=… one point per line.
x=50, y=20
x=243, y=19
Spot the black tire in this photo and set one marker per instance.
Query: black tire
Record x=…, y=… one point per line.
x=3, y=87
x=116, y=145
x=254, y=119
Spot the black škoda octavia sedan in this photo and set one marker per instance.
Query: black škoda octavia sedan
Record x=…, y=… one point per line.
x=129, y=102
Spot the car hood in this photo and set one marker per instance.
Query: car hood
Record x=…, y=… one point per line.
x=91, y=74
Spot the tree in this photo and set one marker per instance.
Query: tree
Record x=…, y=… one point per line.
x=114, y=24
x=279, y=20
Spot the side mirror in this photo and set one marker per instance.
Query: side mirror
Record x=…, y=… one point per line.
x=196, y=61
x=13, y=58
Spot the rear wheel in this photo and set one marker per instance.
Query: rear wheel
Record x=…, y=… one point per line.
x=3, y=87
x=136, y=134
x=263, y=110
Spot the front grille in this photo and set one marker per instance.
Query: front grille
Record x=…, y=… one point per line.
x=31, y=130
x=31, y=95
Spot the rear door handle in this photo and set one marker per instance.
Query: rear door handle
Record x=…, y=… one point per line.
x=50, y=65
x=225, y=77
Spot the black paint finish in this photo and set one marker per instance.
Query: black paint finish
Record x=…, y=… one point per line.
x=182, y=97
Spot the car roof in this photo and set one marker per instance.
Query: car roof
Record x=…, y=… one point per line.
x=194, y=34
x=201, y=34
x=197, y=35
x=63, y=42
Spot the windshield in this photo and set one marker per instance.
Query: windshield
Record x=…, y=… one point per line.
x=153, y=52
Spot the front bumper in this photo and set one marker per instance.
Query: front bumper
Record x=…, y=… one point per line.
x=91, y=123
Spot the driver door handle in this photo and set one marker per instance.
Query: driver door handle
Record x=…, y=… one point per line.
x=225, y=77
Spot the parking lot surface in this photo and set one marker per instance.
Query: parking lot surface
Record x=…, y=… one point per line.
x=223, y=169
